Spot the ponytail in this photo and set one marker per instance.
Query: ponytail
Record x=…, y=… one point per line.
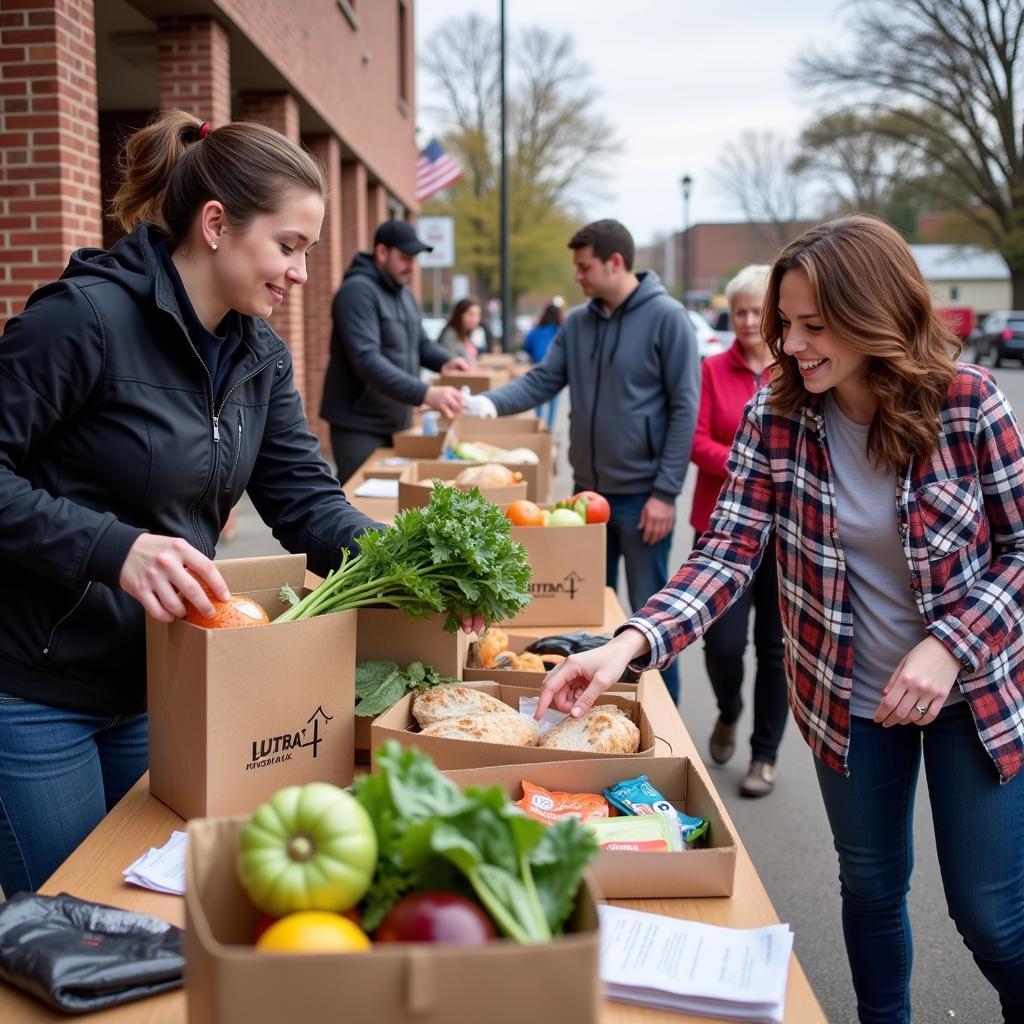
x=170, y=168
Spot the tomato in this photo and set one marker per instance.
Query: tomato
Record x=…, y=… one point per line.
x=524, y=513
x=313, y=931
x=236, y=612
x=598, y=509
x=440, y=917
x=309, y=847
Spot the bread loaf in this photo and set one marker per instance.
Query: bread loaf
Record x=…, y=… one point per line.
x=511, y=729
x=454, y=701
x=604, y=729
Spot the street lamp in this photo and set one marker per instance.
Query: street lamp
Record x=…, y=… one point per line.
x=686, y=184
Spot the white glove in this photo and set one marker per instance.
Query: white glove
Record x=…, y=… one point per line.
x=482, y=406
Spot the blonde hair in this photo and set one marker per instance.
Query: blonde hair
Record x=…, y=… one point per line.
x=170, y=168
x=751, y=280
x=871, y=296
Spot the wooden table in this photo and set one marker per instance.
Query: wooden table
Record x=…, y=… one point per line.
x=140, y=821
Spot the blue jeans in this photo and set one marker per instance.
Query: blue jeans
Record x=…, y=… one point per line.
x=60, y=772
x=547, y=411
x=646, y=564
x=979, y=838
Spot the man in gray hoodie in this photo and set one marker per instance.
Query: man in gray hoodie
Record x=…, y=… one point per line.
x=630, y=360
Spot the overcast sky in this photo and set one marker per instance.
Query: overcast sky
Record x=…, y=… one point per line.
x=678, y=79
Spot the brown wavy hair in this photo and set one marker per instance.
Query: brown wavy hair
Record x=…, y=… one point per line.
x=871, y=296
x=168, y=172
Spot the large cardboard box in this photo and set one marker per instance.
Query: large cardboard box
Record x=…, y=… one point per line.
x=235, y=714
x=399, y=724
x=413, y=443
x=414, y=487
x=708, y=870
x=387, y=634
x=539, y=442
x=567, y=588
x=502, y=982
x=479, y=380
x=527, y=422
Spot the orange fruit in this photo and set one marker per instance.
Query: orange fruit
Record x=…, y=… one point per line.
x=236, y=612
x=313, y=931
x=524, y=513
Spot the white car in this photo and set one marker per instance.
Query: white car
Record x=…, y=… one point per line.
x=708, y=342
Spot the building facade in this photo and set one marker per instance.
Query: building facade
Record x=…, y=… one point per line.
x=76, y=76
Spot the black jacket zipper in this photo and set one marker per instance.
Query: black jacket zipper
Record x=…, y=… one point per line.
x=64, y=618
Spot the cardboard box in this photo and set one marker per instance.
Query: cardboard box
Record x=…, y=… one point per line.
x=495, y=360
x=414, y=489
x=385, y=470
x=477, y=381
x=538, y=478
x=387, y=634
x=567, y=588
x=706, y=871
x=479, y=428
x=398, y=724
x=502, y=982
x=235, y=714
x=414, y=444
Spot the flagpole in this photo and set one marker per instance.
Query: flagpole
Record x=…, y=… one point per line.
x=506, y=249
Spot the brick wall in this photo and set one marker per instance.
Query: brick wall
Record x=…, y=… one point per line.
x=49, y=171
x=376, y=208
x=195, y=67
x=354, y=234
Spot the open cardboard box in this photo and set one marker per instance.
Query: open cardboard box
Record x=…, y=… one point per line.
x=415, y=487
x=539, y=442
x=707, y=870
x=387, y=634
x=484, y=429
x=502, y=982
x=398, y=724
x=386, y=470
x=235, y=714
x=479, y=380
x=414, y=444
x=567, y=587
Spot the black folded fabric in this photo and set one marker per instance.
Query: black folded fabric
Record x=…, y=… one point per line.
x=80, y=956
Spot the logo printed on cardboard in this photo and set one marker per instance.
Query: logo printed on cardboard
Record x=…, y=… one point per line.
x=277, y=749
x=567, y=587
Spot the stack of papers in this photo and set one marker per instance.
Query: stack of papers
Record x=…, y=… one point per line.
x=161, y=870
x=377, y=487
x=730, y=973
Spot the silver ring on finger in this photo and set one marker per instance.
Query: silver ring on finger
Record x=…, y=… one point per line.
x=921, y=710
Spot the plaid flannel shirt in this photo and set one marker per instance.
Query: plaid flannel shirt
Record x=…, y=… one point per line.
x=961, y=523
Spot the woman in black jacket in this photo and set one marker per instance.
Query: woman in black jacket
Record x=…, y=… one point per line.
x=140, y=395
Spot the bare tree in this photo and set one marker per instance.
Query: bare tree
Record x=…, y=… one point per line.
x=944, y=78
x=759, y=173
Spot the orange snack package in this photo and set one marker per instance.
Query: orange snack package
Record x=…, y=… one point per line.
x=548, y=806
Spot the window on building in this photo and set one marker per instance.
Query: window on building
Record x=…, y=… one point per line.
x=954, y=293
x=348, y=8
x=403, y=54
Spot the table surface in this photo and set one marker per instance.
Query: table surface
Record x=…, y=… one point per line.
x=140, y=821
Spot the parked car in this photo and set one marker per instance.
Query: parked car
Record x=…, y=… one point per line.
x=708, y=342
x=1000, y=335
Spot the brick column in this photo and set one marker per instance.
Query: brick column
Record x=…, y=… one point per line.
x=195, y=67
x=49, y=143
x=376, y=207
x=280, y=111
x=325, y=270
x=354, y=236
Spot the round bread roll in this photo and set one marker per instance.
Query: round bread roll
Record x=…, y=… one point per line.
x=604, y=729
x=453, y=701
x=511, y=729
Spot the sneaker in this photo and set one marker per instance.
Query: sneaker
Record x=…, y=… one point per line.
x=759, y=780
x=723, y=742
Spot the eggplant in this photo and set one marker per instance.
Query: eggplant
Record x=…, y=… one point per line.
x=573, y=643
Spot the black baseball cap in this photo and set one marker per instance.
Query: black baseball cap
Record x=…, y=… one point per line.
x=400, y=234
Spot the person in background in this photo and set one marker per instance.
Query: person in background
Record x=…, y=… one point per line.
x=378, y=346
x=728, y=382
x=536, y=344
x=140, y=395
x=891, y=479
x=629, y=358
x=457, y=337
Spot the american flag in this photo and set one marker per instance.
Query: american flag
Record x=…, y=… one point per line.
x=435, y=170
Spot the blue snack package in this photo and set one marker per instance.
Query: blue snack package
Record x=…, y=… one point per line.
x=638, y=796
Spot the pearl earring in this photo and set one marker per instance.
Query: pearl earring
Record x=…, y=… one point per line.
x=213, y=246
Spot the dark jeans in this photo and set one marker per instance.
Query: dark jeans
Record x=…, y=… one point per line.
x=979, y=838
x=725, y=642
x=60, y=772
x=646, y=564
x=351, y=448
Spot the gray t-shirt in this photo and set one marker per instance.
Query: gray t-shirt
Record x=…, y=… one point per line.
x=887, y=624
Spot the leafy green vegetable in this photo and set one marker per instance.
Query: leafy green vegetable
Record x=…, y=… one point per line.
x=525, y=873
x=382, y=684
x=453, y=557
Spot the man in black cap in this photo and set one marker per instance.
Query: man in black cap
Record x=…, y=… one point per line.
x=377, y=348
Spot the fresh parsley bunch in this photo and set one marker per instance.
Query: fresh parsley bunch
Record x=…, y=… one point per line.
x=454, y=557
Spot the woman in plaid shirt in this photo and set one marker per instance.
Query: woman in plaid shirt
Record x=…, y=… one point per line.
x=893, y=479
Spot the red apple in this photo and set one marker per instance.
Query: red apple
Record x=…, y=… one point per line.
x=440, y=917
x=598, y=509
